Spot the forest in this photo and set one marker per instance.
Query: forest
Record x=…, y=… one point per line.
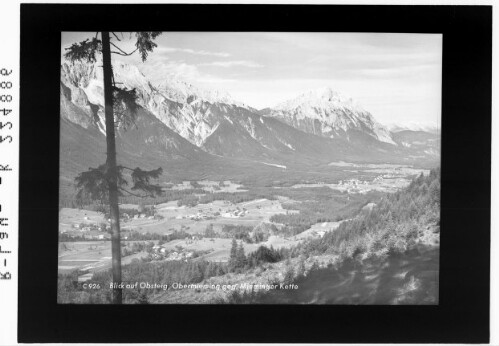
x=397, y=222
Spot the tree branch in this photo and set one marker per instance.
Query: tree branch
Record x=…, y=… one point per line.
x=121, y=51
x=115, y=36
x=115, y=46
x=84, y=50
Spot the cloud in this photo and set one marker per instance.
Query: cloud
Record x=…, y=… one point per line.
x=159, y=70
x=393, y=76
x=244, y=63
x=192, y=51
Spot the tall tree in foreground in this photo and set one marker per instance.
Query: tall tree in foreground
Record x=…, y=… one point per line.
x=107, y=181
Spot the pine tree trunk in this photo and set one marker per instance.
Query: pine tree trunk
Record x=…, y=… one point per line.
x=111, y=166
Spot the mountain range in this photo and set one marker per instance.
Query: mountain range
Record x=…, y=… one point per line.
x=202, y=131
x=327, y=113
x=414, y=126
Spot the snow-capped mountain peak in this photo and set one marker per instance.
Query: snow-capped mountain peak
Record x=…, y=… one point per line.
x=182, y=91
x=82, y=74
x=321, y=97
x=328, y=113
x=180, y=105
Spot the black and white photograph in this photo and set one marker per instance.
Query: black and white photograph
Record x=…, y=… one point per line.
x=247, y=173
x=249, y=168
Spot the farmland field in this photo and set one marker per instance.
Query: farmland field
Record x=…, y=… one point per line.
x=195, y=219
x=94, y=256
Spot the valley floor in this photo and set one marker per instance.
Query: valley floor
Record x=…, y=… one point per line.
x=201, y=236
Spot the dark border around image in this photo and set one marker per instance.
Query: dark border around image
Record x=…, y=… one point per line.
x=462, y=315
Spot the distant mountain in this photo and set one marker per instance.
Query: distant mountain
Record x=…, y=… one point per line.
x=240, y=145
x=208, y=132
x=327, y=113
x=210, y=120
x=149, y=144
x=415, y=126
x=179, y=105
x=183, y=92
x=424, y=143
x=82, y=104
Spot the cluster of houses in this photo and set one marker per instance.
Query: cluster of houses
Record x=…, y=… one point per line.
x=89, y=231
x=199, y=216
x=86, y=234
x=194, y=217
x=352, y=182
x=161, y=253
x=179, y=256
x=235, y=213
x=356, y=185
x=353, y=185
x=125, y=217
x=203, y=215
x=90, y=227
x=356, y=182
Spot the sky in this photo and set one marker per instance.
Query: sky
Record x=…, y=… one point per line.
x=396, y=77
